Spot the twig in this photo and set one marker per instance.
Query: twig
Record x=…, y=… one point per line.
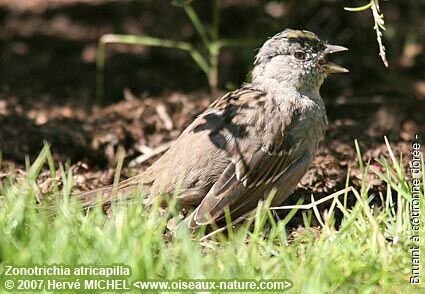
x=315, y=203
x=159, y=149
x=306, y=206
x=164, y=116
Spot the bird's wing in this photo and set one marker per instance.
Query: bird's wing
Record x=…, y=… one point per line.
x=260, y=154
x=200, y=153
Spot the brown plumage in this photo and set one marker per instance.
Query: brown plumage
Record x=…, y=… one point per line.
x=247, y=142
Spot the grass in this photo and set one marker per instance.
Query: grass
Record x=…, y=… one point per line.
x=368, y=252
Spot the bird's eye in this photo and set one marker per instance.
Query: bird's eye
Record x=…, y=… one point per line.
x=299, y=55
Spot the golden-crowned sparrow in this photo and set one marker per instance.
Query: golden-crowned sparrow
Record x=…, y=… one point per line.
x=249, y=141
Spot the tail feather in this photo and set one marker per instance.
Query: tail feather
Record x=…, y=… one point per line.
x=123, y=191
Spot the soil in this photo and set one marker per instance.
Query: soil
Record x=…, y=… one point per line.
x=47, y=94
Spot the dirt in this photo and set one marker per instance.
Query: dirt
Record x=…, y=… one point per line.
x=92, y=139
x=47, y=94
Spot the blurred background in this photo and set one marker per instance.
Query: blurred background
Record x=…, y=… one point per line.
x=48, y=77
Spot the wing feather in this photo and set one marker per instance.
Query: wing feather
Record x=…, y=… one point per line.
x=247, y=125
x=263, y=171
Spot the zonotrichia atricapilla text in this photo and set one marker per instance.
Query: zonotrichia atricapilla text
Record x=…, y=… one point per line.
x=249, y=141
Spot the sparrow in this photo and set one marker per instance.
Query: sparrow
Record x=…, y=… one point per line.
x=259, y=138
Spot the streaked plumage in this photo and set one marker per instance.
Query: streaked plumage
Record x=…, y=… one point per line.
x=249, y=141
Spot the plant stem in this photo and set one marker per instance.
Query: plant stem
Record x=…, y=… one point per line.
x=379, y=24
x=361, y=8
x=214, y=49
x=196, y=23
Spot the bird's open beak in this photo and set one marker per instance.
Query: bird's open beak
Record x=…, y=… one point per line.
x=331, y=67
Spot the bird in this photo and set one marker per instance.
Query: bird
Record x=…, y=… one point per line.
x=249, y=142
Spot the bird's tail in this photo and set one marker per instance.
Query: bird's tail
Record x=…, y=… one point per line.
x=125, y=190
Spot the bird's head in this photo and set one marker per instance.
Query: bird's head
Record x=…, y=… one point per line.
x=295, y=58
